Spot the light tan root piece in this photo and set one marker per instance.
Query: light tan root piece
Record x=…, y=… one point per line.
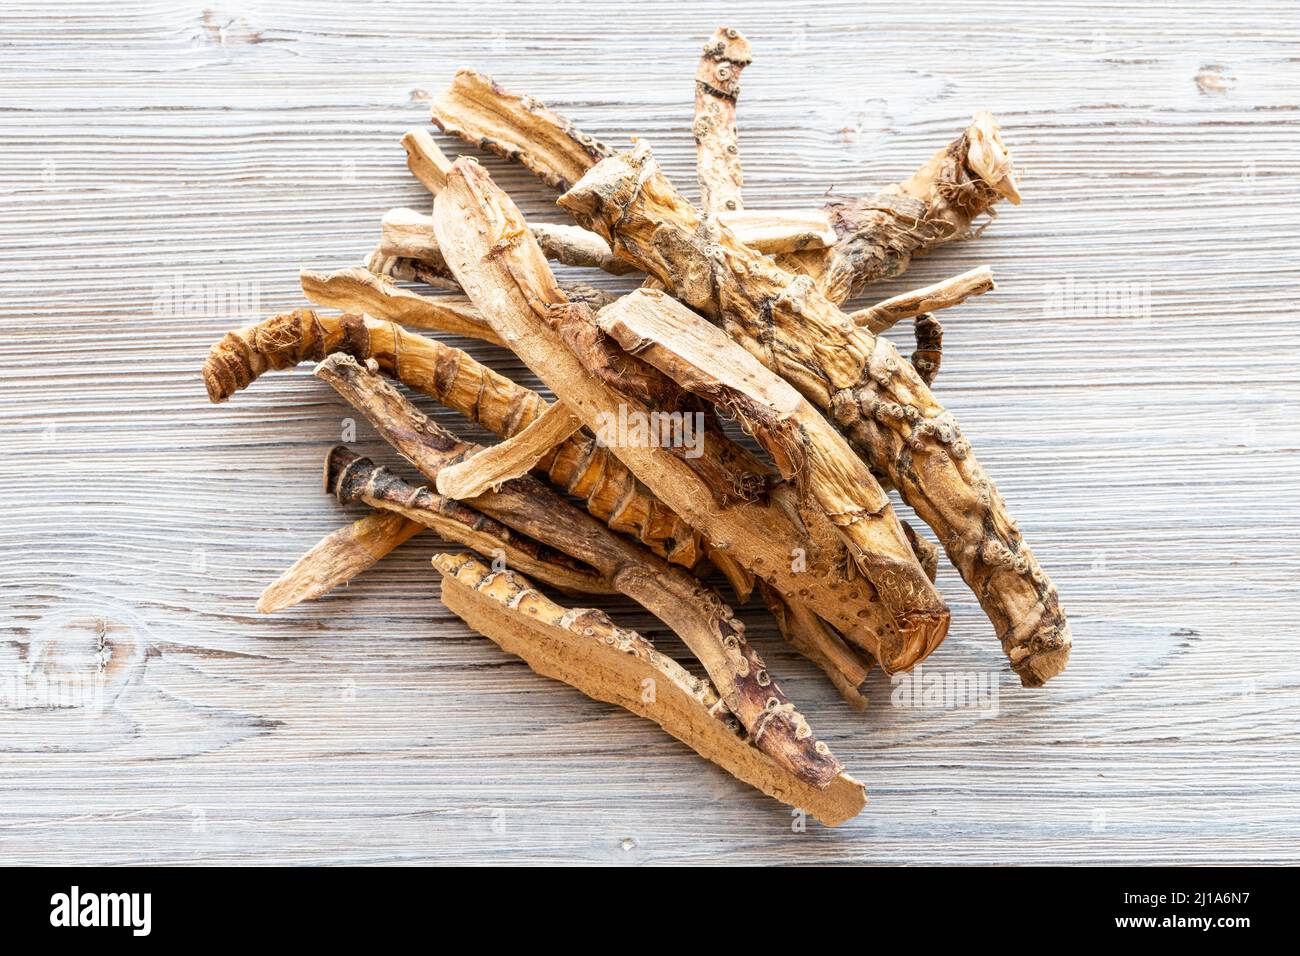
x=339, y=557
x=931, y=298
x=781, y=232
x=876, y=398
x=516, y=456
x=807, y=451
x=720, y=491
x=518, y=128
x=695, y=613
x=813, y=638
x=578, y=466
x=407, y=234
x=586, y=650
x=426, y=161
x=353, y=479
x=717, y=152
x=359, y=290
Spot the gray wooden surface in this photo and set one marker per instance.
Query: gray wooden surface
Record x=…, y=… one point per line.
x=166, y=168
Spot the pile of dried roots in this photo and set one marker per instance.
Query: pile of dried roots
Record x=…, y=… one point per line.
x=739, y=319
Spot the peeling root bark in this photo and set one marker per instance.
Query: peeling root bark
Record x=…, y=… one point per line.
x=338, y=558
x=696, y=614
x=586, y=650
x=873, y=395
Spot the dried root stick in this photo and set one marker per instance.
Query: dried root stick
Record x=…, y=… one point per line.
x=338, y=558
x=717, y=152
x=879, y=235
x=877, y=399
x=586, y=650
x=504, y=272
x=512, y=458
x=806, y=449
x=578, y=466
x=426, y=161
x=359, y=290
x=406, y=234
x=931, y=298
x=696, y=614
x=354, y=479
x=813, y=638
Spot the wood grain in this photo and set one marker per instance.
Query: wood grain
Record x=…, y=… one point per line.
x=167, y=167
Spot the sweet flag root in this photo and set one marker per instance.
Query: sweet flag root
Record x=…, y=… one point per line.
x=629, y=482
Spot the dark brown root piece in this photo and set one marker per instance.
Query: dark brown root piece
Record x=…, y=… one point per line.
x=585, y=649
x=696, y=614
x=929, y=347
x=353, y=479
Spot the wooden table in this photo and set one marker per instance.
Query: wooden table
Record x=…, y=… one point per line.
x=1131, y=385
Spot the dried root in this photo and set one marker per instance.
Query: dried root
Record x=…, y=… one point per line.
x=814, y=639
x=585, y=649
x=425, y=160
x=931, y=298
x=876, y=236
x=518, y=128
x=806, y=449
x=338, y=558
x=354, y=479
